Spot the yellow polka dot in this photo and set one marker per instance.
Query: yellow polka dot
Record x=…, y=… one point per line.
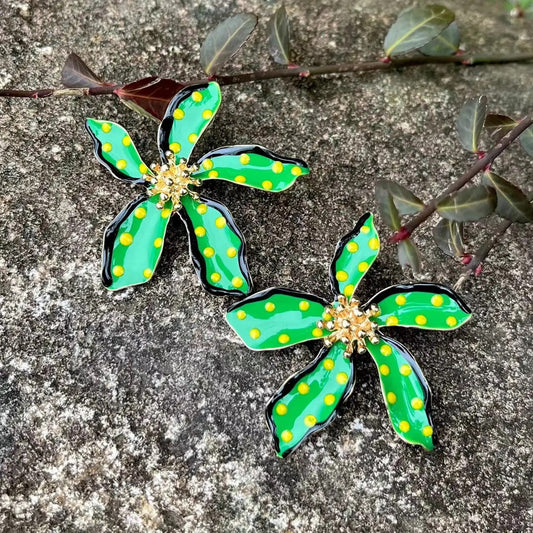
x=269, y=306
x=303, y=305
x=329, y=399
x=400, y=299
x=207, y=164
x=373, y=244
x=326, y=316
x=121, y=164
x=310, y=421
x=140, y=212
x=255, y=333
x=267, y=185
x=417, y=403
x=215, y=277
x=384, y=370
x=118, y=271
x=158, y=242
x=197, y=96
x=281, y=409
x=286, y=436
x=165, y=213
x=106, y=127
x=352, y=247
x=240, y=179
x=174, y=147
x=363, y=266
x=404, y=426
x=143, y=169
x=201, y=209
x=192, y=138
x=284, y=338
x=213, y=174
x=209, y=252
x=220, y=222
x=126, y=239
x=199, y=231
x=126, y=141
x=421, y=320
x=451, y=321
x=244, y=159
x=348, y=290
x=342, y=378
x=303, y=388
x=427, y=431
x=392, y=321
x=437, y=300
x=231, y=252
x=365, y=229
x=147, y=273
x=207, y=114
x=241, y=315
x=328, y=364
x=391, y=398
x=107, y=147
x=385, y=349
x=237, y=282
x=341, y=275
x=317, y=332
x=178, y=114
x=405, y=370
x=296, y=171
x=277, y=167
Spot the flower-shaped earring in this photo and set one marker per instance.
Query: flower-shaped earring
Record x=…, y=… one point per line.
x=134, y=240
x=309, y=400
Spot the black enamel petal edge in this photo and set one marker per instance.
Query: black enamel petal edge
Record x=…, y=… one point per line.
x=289, y=384
x=418, y=287
x=334, y=284
x=252, y=149
x=110, y=236
x=197, y=258
x=114, y=170
x=414, y=365
x=267, y=293
x=163, y=133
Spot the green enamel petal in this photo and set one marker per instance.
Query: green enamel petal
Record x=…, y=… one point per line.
x=217, y=246
x=114, y=148
x=422, y=305
x=276, y=318
x=253, y=166
x=309, y=400
x=405, y=390
x=186, y=117
x=133, y=243
x=355, y=254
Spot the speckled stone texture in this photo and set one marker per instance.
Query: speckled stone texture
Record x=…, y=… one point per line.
x=140, y=410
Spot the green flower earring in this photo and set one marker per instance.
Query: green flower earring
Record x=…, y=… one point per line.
x=134, y=240
x=309, y=400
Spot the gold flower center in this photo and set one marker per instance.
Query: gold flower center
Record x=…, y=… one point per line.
x=350, y=325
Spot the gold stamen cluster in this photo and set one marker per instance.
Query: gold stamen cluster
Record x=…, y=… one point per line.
x=171, y=181
x=350, y=325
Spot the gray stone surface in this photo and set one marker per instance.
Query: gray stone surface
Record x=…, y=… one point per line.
x=141, y=411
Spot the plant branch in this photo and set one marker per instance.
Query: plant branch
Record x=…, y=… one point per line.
x=340, y=68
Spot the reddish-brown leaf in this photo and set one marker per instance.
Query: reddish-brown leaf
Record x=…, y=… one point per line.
x=77, y=74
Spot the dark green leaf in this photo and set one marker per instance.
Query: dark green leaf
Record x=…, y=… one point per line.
x=498, y=126
x=512, y=202
x=444, y=44
x=408, y=255
x=279, y=36
x=448, y=235
x=526, y=140
x=468, y=204
x=416, y=27
x=386, y=208
x=470, y=122
x=405, y=201
x=225, y=41
x=76, y=74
